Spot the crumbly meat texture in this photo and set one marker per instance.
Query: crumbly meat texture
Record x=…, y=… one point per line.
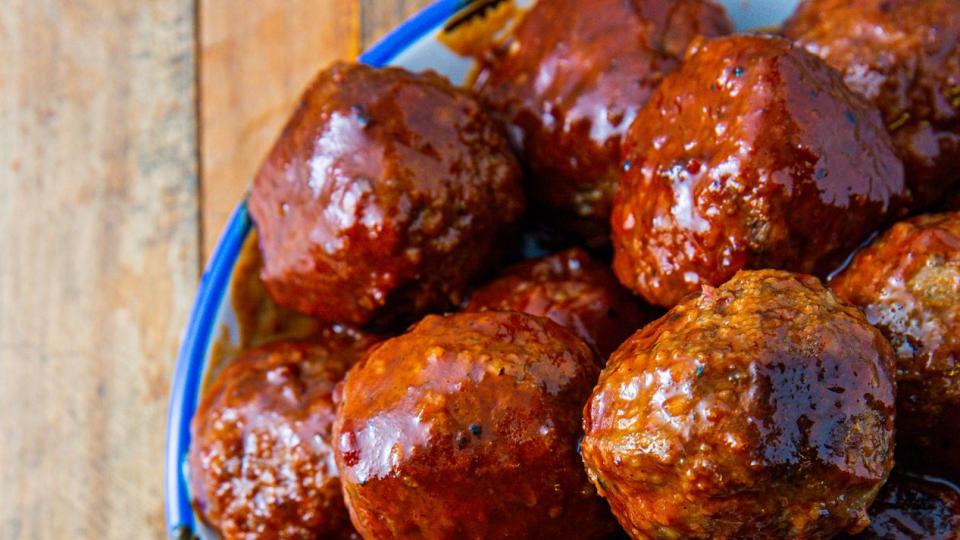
x=760, y=409
x=261, y=457
x=753, y=154
x=466, y=427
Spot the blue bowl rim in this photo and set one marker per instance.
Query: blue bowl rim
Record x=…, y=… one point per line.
x=213, y=287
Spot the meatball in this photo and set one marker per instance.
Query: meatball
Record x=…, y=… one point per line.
x=914, y=507
x=467, y=427
x=754, y=154
x=574, y=291
x=569, y=81
x=760, y=409
x=903, y=55
x=261, y=461
x=386, y=193
x=908, y=284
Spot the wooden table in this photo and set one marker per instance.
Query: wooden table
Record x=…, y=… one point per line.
x=128, y=130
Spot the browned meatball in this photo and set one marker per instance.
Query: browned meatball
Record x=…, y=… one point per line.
x=568, y=82
x=760, y=409
x=385, y=194
x=903, y=55
x=754, y=154
x=912, y=507
x=261, y=460
x=467, y=427
x=908, y=284
x=574, y=291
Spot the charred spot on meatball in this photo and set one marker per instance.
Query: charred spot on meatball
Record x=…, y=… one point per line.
x=466, y=427
x=746, y=158
x=386, y=193
x=761, y=409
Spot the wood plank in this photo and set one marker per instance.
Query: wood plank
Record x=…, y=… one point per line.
x=380, y=16
x=98, y=259
x=255, y=60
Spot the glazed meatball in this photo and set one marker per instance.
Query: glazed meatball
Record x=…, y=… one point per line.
x=386, y=193
x=908, y=284
x=261, y=461
x=914, y=508
x=467, y=427
x=568, y=82
x=754, y=154
x=760, y=409
x=903, y=55
x=574, y=291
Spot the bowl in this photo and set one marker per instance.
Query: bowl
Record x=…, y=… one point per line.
x=415, y=45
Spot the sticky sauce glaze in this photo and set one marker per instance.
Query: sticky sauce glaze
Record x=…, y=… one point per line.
x=568, y=82
x=385, y=194
x=760, y=409
x=574, y=291
x=261, y=460
x=467, y=427
x=913, y=507
x=904, y=56
x=753, y=154
x=908, y=284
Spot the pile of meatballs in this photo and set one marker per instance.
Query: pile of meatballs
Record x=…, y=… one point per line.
x=751, y=312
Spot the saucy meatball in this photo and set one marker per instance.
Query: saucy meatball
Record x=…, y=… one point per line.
x=908, y=284
x=386, y=193
x=261, y=461
x=574, y=291
x=753, y=154
x=467, y=427
x=914, y=508
x=760, y=409
x=903, y=55
x=568, y=82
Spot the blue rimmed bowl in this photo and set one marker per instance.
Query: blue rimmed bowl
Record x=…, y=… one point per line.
x=415, y=46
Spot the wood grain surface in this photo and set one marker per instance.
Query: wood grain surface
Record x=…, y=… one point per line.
x=98, y=259
x=253, y=66
x=128, y=130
